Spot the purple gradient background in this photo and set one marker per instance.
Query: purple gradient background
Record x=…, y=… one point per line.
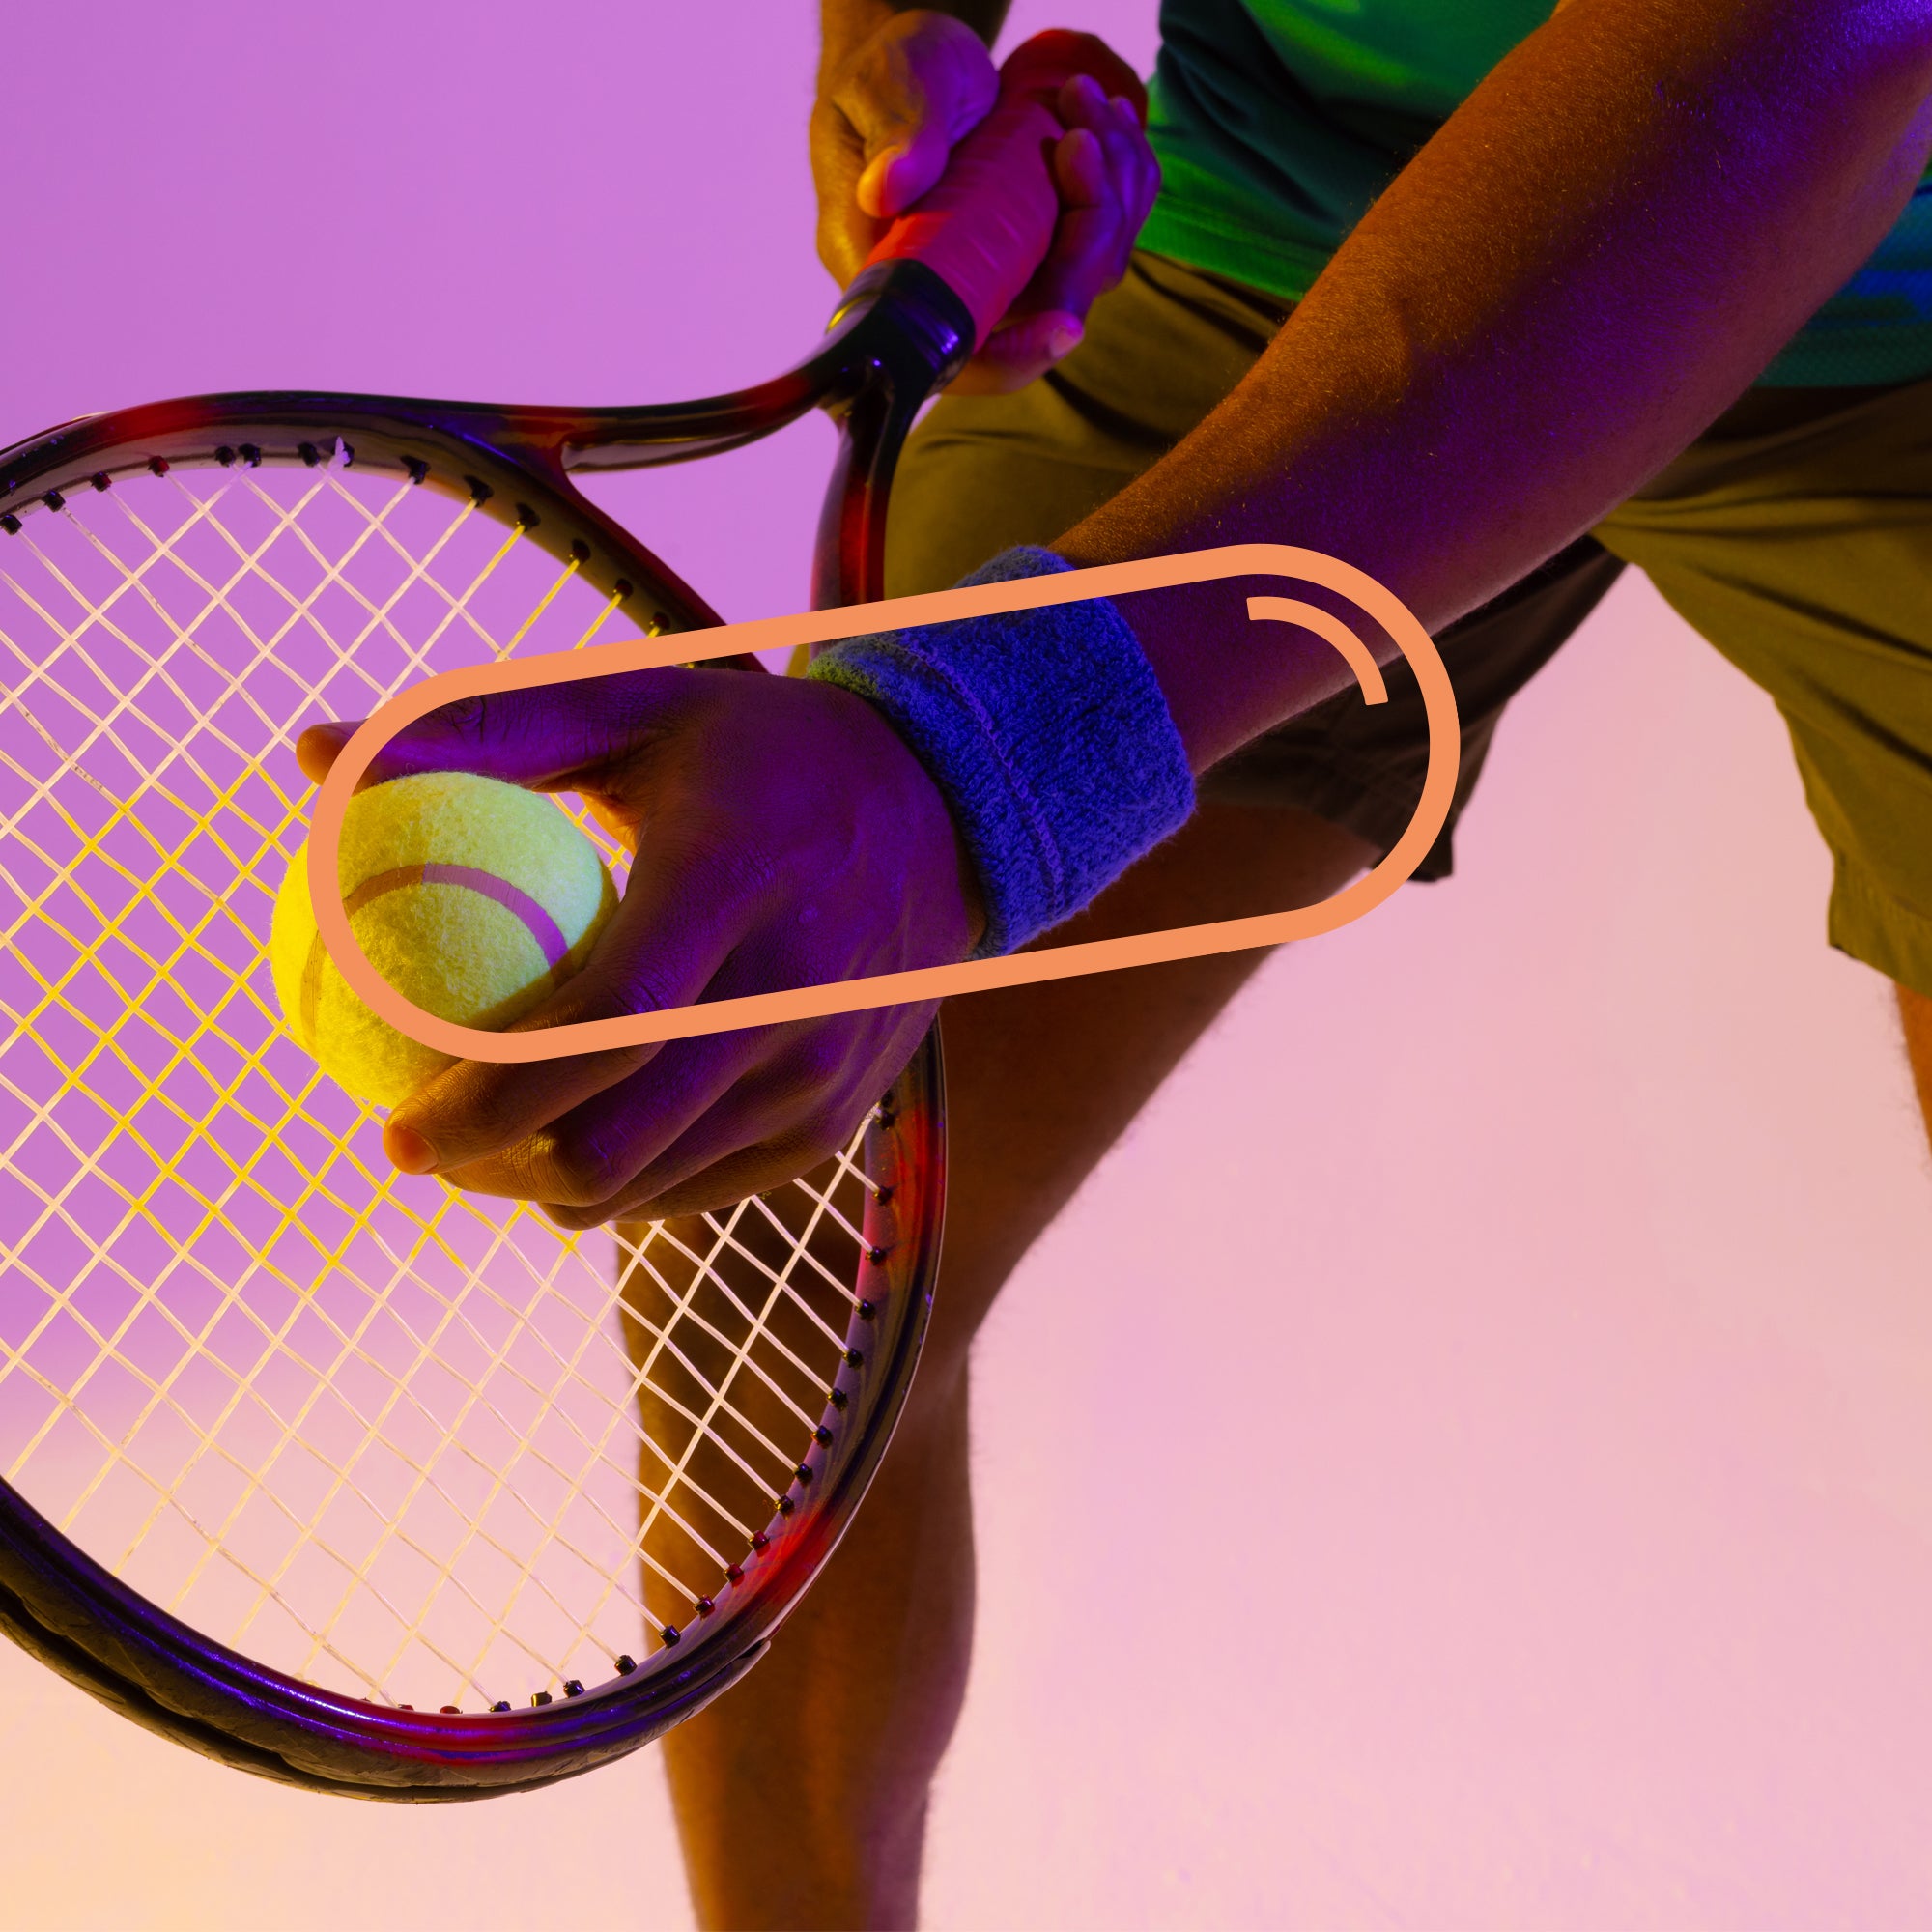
x=1465, y=1460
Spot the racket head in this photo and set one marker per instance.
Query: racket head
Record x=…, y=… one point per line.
x=505, y=463
x=183, y=590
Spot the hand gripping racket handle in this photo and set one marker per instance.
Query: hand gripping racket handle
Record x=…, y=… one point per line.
x=986, y=225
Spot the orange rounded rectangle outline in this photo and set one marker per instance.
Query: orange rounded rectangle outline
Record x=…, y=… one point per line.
x=929, y=982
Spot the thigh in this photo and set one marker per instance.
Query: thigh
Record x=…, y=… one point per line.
x=1796, y=537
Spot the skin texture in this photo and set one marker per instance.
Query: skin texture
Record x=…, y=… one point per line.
x=1915, y=1014
x=893, y=99
x=1645, y=199
x=713, y=903
x=802, y=1797
x=699, y=1125
x=1449, y=405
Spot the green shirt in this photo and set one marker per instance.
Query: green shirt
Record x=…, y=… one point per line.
x=1278, y=121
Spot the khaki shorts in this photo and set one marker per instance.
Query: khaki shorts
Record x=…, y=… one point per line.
x=1796, y=535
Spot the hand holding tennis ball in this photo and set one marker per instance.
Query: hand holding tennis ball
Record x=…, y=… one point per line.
x=784, y=836
x=473, y=899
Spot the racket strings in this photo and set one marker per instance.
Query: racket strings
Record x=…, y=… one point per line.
x=133, y=576
x=137, y=999
x=410, y=1443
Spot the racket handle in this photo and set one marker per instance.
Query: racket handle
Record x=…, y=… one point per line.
x=986, y=225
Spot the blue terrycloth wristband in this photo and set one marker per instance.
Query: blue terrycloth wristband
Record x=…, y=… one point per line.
x=1048, y=734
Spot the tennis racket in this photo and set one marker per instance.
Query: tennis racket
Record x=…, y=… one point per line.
x=339, y=1475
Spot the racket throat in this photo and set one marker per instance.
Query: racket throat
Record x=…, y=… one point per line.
x=903, y=334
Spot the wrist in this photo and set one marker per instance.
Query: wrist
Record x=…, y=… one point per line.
x=899, y=782
x=1047, y=735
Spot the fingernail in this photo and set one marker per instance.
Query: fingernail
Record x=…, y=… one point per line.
x=1064, y=339
x=319, y=747
x=408, y=1150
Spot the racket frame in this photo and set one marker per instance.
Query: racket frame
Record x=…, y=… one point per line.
x=73, y=1614
x=898, y=333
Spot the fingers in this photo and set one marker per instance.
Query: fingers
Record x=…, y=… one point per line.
x=741, y=1172
x=1017, y=353
x=597, y=733
x=683, y=913
x=1107, y=178
x=743, y=1110
x=883, y=130
x=926, y=84
x=317, y=747
x=784, y=836
x=594, y=1152
x=751, y=1171
x=780, y=1118
x=544, y=737
x=1039, y=63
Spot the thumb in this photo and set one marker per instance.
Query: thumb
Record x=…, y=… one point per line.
x=919, y=94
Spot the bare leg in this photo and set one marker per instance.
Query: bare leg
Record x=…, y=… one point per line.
x=802, y=1795
x=1914, y=1011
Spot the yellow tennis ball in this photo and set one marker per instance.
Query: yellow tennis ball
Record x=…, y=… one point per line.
x=473, y=899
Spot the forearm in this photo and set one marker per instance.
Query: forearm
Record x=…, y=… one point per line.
x=1598, y=252
x=845, y=25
